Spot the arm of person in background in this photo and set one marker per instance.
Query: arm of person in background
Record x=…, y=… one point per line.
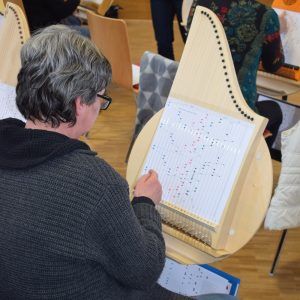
x=272, y=56
x=125, y=238
x=61, y=8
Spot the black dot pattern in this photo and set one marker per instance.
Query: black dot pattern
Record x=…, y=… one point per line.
x=21, y=36
x=229, y=86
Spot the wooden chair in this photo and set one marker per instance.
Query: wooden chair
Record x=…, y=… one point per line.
x=1, y=6
x=104, y=6
x=100, y=9
x=111, y=37
x=88, y=5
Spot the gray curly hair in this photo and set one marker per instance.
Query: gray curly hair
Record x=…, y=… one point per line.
x=57, y=66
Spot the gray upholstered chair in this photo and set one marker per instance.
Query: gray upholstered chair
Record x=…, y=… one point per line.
x=156, y=77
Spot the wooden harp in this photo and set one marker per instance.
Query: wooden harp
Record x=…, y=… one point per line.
x=206, y=78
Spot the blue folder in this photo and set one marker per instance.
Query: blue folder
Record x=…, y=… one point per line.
x=235, y=282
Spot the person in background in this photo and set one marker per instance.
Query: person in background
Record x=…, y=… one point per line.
x=253, y=34
x=49, y=12
x=163, y=12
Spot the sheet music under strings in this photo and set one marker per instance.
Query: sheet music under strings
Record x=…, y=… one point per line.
x=197, y=153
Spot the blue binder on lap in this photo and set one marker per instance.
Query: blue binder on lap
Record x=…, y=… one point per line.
x=196, y=280
x=235, y=282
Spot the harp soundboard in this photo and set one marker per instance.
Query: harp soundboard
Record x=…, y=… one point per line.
x=205, y=91
x=13, y=34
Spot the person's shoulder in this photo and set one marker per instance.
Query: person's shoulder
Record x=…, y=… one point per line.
x=272, y=18
x=271, y=11
x=94, y=168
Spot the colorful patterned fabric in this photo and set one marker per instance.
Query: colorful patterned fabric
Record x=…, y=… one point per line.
x=252, y=31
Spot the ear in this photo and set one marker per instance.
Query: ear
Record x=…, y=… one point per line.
x=79, y=106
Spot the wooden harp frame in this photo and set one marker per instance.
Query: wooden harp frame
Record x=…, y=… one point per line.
x=206, y=77
x=13, y=34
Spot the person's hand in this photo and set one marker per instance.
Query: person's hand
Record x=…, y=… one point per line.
x=267, y=133
x=149, y=186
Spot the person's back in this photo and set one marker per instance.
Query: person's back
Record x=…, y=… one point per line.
x=252, y=31
x=54, y=221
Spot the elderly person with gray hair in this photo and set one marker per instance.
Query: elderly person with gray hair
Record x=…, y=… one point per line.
x=67, y=227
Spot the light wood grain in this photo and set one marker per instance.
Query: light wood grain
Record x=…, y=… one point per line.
x=110, y=36
x=134, y=9
x=111, y=136
x=14, y=32
x=16, y=2
x=200, y=68
x=2, y=6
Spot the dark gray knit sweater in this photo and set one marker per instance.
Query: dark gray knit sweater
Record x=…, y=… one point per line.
x=67, y=227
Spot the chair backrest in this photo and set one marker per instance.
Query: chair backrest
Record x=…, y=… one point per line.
x=17, y=2
x=111, y=37
x=13, y=33
x=104, y=6
x=156, y=78
x=101, y=8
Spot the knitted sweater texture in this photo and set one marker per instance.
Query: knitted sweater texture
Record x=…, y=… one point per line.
x=67, y=227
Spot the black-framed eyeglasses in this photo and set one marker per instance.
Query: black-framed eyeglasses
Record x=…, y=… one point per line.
x=106, y=103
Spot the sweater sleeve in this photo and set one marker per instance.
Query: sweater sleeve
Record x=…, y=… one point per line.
x=61, y=8
x=126, y=240
x=272, y=53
